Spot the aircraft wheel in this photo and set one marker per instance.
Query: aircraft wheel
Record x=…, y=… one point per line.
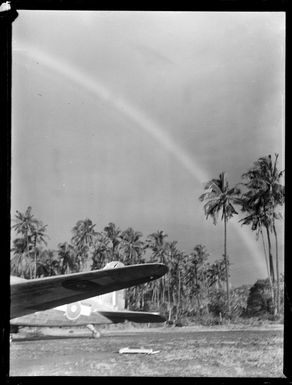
x=96, y=334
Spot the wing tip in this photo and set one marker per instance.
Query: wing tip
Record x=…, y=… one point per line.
x=162, y=269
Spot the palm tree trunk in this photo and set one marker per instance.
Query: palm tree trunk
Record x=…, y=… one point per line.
x=35, y=263
x=271, y=263
x=197, y=292
x=272, y=273
x=206, y=290
x=35, y=258
x=27, y=255
x=178, y=298
x=277, y=269
x=267, y=262
x=143, y=298
x=174, y=299
x=265, y=252
x=163, y=289
x=169, y=305
x=158, y=295
x=153, y=293
x=226, y=265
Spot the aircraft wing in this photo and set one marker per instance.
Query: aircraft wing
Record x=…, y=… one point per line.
x=29, y=296
x=53, y=317
x=133, y=316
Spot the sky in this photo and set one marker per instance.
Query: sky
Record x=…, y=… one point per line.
x=124, y=116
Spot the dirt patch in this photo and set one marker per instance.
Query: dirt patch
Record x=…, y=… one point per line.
x=183, y=353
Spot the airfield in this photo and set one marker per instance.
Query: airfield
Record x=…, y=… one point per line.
x=190, y=351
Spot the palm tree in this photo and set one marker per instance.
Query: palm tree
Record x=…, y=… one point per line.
x=83, y=238
x=175, y=259
x=38, y=238
x=197, y=259
x=156, y=243
x=25, y=225
x=20, y=265
x=264, y=195
x=132, y=248
x=33, y=232
x=67, y=255
x=256, y=220
x=172, y=263
x=216, y=274
x=220, y=198
x=114, y=235
x=101, y=251
x=48, y=263
x=216, y=278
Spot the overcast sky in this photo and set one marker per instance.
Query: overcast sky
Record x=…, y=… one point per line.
x=123, y=116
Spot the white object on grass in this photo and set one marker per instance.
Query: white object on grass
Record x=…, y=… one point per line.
x=128, y=350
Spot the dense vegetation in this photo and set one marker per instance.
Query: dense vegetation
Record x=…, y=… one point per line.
x=193, y=287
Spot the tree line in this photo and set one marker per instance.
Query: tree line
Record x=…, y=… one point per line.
x=193, y=285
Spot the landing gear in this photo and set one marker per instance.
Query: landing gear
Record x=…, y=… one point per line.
x=95, y=333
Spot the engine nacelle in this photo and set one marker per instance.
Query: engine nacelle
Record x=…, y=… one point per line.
x=113, y=265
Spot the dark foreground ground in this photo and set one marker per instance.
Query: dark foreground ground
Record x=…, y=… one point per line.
x=182, y=352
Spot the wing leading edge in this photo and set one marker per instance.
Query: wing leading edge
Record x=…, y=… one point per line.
x=39, y=294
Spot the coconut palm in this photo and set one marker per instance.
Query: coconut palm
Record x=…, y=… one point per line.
x=82, y=239
x=114, y=235
x=264, y=195
x=174, y=259
x=256, y=220
x=38, y=238
x=67, y=255
x=48, y=263
x=216, y=274
x=33, y=232
x=131, y=246
x=219, y=197
x=19, y=245
x=195, y=276
x=171, y=261
x=20, y=264
x=25, y=225
x=157, y=244
x=101, y=251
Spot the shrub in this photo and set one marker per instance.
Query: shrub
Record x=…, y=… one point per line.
x=260, y=301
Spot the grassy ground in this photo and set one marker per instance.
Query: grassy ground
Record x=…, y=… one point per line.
x=188, y=351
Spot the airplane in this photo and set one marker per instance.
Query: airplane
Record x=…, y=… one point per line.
x=80, y=299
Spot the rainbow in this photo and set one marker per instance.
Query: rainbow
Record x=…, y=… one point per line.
x=146, y=123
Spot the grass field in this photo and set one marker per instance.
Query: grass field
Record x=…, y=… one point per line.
x=187, y=351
